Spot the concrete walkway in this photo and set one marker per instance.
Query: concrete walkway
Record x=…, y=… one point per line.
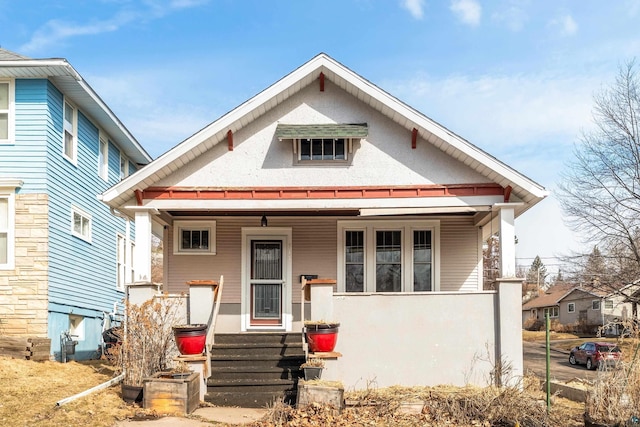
x=232, y=416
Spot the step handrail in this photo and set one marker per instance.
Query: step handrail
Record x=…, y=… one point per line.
x=213, y=317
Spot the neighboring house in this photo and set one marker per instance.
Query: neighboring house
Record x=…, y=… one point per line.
x=545, y=302
x=325, y=174
x=584, y=307
x=64, y=258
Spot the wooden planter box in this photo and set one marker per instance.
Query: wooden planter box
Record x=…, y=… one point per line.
x=170, y=393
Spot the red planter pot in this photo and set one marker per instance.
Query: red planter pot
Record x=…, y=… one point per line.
x=322, y=338
x=190, y=339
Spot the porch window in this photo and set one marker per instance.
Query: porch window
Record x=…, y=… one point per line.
x=571, y=307
x=595, y=304
x=6, y=112
x=194, y=237
x=552, y=311
x=608, y=304
x=380, y=256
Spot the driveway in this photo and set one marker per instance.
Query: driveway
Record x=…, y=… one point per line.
x=534, y=356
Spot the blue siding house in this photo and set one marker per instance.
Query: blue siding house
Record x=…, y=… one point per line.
x=64, y=256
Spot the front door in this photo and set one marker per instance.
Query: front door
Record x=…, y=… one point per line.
x=266, y=279
x=266, y=282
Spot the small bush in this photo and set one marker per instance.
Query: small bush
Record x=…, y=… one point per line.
x=532, y=324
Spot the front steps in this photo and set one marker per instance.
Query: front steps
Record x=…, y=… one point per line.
x=254, y=369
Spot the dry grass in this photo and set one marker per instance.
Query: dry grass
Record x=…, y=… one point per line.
x=443, y=406
x=541, y=336
x=30, y=391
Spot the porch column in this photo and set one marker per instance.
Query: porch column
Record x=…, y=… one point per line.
x=509, y=328
x=507, y=233
x=142, y=253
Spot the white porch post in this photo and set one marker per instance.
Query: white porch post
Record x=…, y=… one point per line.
x=509, y=328
x=142, y=253
x=507, y=232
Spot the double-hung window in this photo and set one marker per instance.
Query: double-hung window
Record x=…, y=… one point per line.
x=81, y=224
x=571, y=307
x=7, y=222
x=381, y=256
x=124, y=261
x=6, y=111
x=103, y=158
x=124, y=167
x=70, y=130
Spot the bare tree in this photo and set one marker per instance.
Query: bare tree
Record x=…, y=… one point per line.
x=600, y=189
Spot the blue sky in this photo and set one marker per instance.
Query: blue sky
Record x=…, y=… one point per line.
x=514, y=77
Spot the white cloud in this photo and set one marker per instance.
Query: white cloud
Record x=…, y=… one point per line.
x=512, y=14
x=468, y=11
x=415, y=7
x=55, y=31
x=566, y=25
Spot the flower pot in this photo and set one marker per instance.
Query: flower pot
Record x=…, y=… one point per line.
x=131, y=393
x=190, y=339
x=312, y=373
x=322, y=337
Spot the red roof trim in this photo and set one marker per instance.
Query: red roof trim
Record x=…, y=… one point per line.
x=280, y=193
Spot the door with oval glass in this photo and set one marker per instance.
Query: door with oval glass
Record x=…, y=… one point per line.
x=266, y=282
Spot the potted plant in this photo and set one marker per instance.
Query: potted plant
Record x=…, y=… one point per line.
x=147, y=343
x=190, y=339
x=321, y=335
x=312, y=369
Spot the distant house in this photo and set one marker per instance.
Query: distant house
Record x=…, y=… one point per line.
x=585, y=307
x=64, y=257
x=545, y=302
x=325, y=174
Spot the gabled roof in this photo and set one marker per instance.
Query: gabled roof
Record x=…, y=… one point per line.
x=550, y=298
x=525, y=189
x=71, y=83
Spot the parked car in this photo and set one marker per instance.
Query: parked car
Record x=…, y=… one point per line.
x=596, y=354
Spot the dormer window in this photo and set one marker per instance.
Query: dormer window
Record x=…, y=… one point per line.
x=331, y=143
x=322, y=149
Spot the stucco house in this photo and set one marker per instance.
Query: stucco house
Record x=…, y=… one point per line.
x=64, y=258
x=325, y=174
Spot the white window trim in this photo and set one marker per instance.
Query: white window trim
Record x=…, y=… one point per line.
x=103, y=157
x=11, y=113
x=124, y=172
x=194, y=225
x=297, y=149
x=593, y=304
x=84, y=214
x=74, y=124
x=7, y=191
x=551, y=311
x=407, y=227
x=571, y=307
x=608, y=302
x=77, y=327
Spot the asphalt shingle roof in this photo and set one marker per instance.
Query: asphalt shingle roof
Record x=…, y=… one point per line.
x=331, y=130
